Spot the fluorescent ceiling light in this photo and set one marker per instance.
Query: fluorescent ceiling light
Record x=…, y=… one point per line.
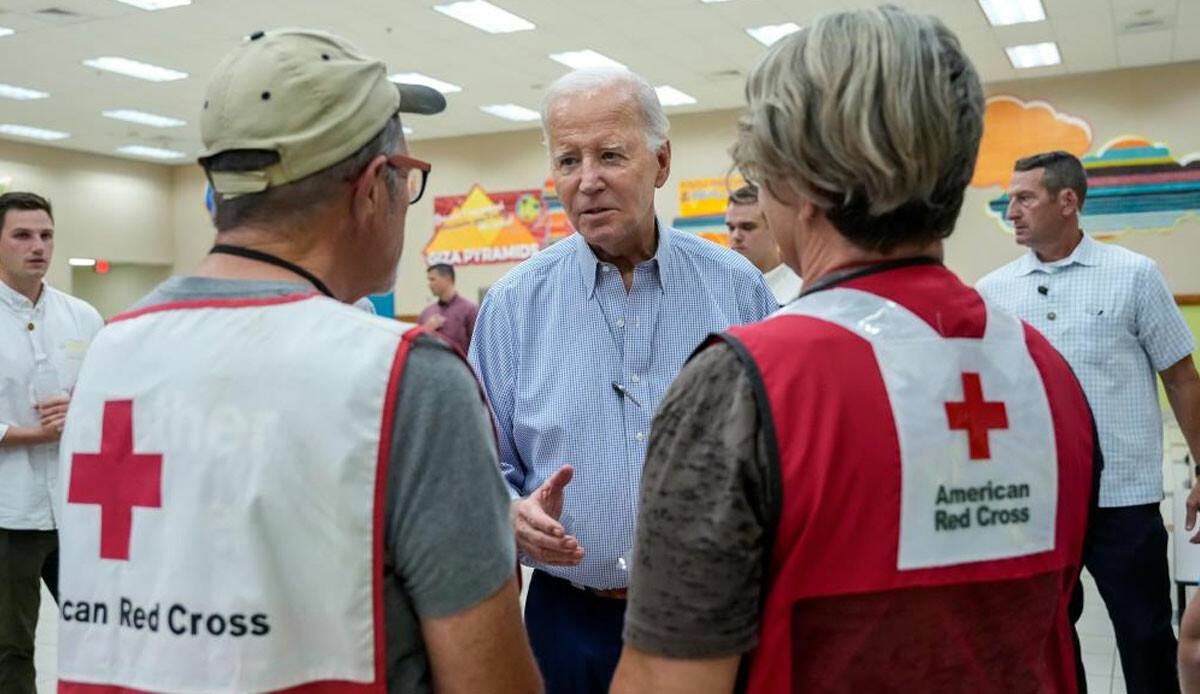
x=144, y=118
x=8, y=91
x=156, y=4
x=81, y=262
x=1033, y=55
x=5, y=31
x=485, y=16
x=511, y=112
x=1004, y=12
x=133, y=68
x=670, y=96
x=418, y=78
x=582, y=60
x=151, y=152
x=769, y=34
x=32, y=132
x=711, y=1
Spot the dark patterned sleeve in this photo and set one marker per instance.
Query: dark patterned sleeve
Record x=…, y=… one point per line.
x=694, y=584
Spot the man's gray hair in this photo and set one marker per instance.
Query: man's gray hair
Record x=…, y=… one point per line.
x=286, y=205
x=654, y=119
x=875, y=115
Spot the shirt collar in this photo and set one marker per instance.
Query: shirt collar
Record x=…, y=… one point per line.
x=589, y=264
x=1086, y=253
x=16, y=300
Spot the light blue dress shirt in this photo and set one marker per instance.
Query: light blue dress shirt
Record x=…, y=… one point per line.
x=552, y=337
x=1109, y=312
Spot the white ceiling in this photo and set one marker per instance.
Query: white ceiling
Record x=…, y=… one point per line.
x=699, y=48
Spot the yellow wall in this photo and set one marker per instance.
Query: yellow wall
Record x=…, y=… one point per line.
x=104, y=207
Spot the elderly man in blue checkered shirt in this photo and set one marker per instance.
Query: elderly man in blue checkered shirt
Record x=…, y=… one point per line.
x=575, y=348
x=1109, y=312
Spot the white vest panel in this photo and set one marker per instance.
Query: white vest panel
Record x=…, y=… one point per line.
x=221, y=510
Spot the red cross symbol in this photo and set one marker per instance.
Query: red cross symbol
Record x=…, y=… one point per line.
x=977, y=416
x=117, y=479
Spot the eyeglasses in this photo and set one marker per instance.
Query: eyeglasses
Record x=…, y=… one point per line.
x=418, y=174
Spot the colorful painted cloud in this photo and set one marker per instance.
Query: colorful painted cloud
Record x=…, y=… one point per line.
x=1133, y=186
x=1013, y=129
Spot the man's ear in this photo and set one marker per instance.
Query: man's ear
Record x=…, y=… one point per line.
x=663, y=155
x=370, y=191
x=1068, y=201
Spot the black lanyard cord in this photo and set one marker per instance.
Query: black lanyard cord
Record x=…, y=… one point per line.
x=273, y=260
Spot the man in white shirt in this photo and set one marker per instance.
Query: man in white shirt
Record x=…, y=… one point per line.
x=748, y=235
x=43, y=336
x=1109, y=312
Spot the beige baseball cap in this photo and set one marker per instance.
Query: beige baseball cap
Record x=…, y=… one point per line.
x=309, y=96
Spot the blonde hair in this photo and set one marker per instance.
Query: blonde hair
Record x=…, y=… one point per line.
x=875, y=115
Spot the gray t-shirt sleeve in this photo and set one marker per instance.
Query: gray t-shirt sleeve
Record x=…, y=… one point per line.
x=698, y=559
x=449, y=538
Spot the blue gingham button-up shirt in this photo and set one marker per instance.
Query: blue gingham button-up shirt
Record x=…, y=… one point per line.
x=1109, y=312
x=552, y=337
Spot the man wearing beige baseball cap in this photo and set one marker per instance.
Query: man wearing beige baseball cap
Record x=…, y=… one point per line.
x=260, y=488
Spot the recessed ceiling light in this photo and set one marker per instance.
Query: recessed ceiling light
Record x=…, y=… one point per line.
x=151, y=152
x=485, y=16
x=511, y=112
x=32, y=132
x=156, y=4
x=1033, y=55
x=582, y=60
x=8, y=91
x=670, y=96
x=133, y=68
x=144, y=118
x=769, y=34
x=81, y=262
x=407, y=130
x=5, y=31
x=1004, y=12
x=418, y=78
x=712, y=1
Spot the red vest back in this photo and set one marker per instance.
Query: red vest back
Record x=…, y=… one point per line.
x=935, y=469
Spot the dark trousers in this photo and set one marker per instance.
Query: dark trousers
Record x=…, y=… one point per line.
x=1127, y=556
x=576, y=636
x=27, y=557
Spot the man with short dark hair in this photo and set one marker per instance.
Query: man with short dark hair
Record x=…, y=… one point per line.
x=451, y=314
x=43, y=336
x=1109, y=312
x=268, y=489
x=748, y=235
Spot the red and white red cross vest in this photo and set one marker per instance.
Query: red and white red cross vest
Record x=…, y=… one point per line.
x=221, y=512
x=934, y=463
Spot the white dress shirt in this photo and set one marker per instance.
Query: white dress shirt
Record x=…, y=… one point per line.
x=784, y=284
x=1109, y=312
x=41, y=350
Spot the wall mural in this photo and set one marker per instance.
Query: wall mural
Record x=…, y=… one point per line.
x=702, y=203
x=1134, y=185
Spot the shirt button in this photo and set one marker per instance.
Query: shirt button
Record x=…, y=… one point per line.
x=620, y=322
x=30, y=326
x=1052, y=315
x=604, y=268
x=640, y=437
x=637, y=379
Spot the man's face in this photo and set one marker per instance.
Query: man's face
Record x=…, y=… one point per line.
x=26, y=246
x=1039, y=218
x=604, y=172
x=749, y=236
x=438, y=283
